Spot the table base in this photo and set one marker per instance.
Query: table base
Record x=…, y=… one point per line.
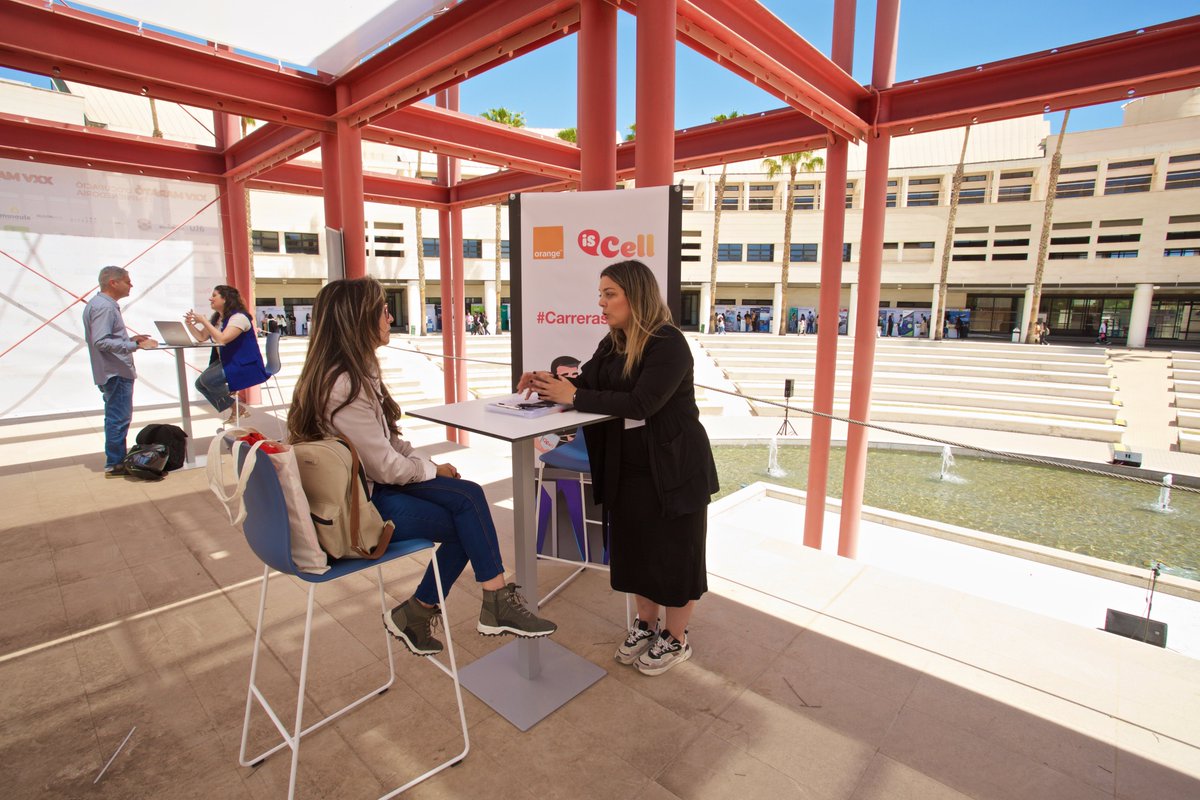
x=496, y=680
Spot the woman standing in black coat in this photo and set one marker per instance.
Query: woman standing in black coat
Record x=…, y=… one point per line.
x=652, y=468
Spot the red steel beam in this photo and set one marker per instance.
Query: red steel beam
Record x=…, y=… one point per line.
x=762, y=29
x=451, y=133
x=1151, y=60
x=487, y=189
x=26, y=139
x=306, y=179
x=268, y=146
x=74, y=45
x=467, y=39
x=769, y=133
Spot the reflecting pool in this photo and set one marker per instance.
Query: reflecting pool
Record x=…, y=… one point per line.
x=1093, y=515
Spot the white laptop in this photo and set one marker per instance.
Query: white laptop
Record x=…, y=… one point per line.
x=173, y=332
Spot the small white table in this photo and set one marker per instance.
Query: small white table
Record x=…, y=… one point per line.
x=185, y=408
x=526, y=680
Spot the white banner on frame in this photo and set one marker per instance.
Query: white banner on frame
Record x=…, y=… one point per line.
x=60, y=225
x=566, y=240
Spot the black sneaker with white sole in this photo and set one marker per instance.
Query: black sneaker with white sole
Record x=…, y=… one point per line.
x=504, y=611
x=639, y=639
x=413, y=624
x=666, y=652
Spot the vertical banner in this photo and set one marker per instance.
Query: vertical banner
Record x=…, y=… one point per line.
x=564, y=241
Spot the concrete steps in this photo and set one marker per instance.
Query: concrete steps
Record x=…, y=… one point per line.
x=1185, y=376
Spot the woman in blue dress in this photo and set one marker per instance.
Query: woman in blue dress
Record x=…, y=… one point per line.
x=237, y=364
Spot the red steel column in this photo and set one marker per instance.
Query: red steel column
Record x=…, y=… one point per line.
x=655, y=155
x=597, y=83
x=332, y=195
x=869, y=272
x=349, y=169
x=832, y=235
x=451, y=279
x=235, y=228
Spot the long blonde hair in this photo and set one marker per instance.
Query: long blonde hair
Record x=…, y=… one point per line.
x=647, y=310
x=343, y=337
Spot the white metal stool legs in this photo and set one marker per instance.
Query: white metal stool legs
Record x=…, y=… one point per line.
x=580, y=565
x=292, y=740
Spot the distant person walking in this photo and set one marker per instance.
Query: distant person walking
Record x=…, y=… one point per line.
x=111, y=350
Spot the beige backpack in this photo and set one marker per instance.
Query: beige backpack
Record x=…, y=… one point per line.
x=348, y=525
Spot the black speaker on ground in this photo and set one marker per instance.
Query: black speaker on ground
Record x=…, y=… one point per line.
x=789, y=386
x=1132, y=626
x=1127, y=458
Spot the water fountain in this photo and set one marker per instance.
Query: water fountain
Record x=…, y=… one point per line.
x=773, y=468
x=1164, y=495
x=947, y=462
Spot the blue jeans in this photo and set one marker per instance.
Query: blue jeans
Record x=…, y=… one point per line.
x=118, y=411
x=452, y=512
x=214, y=387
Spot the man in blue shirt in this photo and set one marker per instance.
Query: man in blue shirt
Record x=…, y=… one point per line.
x=111, y=350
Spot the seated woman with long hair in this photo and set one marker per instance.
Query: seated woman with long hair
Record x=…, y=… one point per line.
x=340, y=394
x=237, y=364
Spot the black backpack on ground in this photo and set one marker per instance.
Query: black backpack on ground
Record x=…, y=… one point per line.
x=170, y=437
x=146, y=461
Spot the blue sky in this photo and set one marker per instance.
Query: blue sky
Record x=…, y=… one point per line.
x=935, y=36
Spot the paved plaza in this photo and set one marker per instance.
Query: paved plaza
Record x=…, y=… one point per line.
x=131, y=605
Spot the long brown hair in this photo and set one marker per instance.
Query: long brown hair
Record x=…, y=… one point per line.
x=647, y=310
x=343, y=337
x=233, y=303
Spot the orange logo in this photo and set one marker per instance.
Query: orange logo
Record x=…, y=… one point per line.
x=547, y=242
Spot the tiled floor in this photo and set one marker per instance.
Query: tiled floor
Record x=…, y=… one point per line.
x=131, y=604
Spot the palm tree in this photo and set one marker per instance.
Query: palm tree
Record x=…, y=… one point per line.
x=1035, y=302
x=629, y=137
x=155, y=131
x=569, y=135
x=803, y=161
x=420, y=259
x=939, y=319
x=718, y=201
x=513, y=119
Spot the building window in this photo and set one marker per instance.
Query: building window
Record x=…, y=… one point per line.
x=1120, y=223
x=891, y=194
x=1077, y=170
x=302, y=243
x=1068, y=189
x=1071, y=226
x=732, y=199
x=1183, y=179
x=1011, y=243
x=1067, y=256
x=1070, y=240
x=729, y=252
x=804, y=252
x=1011, y=228
x=688, y=193
x=846, y=251
x=1114, y=238
x=265, y=241
x=1182, y=251
x=1141, y=162
x=850, y=194
x=762, y=197
x=472, y=248
x=760, y=252
x=431, y=248
x=973, y=190
x=1013, y=194
x=1127, y=184
x=1010, y=257
x=1177, y=235
x=970, y=243
x=1116, y=253
x=504, y=248
x=395, y=252
x=804, y=197
x=968, y=257
x=928, y=192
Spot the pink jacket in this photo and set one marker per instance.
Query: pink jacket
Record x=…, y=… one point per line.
x=385, y=457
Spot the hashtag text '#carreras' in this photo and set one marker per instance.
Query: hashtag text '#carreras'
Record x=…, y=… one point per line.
x=555, y=318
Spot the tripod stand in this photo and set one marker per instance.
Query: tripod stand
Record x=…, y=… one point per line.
x=786, y=427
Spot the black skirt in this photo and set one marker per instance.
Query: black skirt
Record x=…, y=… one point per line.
x=660, y=559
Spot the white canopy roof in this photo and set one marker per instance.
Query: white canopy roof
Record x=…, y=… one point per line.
x=330, y=36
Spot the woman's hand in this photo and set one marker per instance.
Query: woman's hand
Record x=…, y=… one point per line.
x=549, y=387
x=447, y=471
x=525, y=384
